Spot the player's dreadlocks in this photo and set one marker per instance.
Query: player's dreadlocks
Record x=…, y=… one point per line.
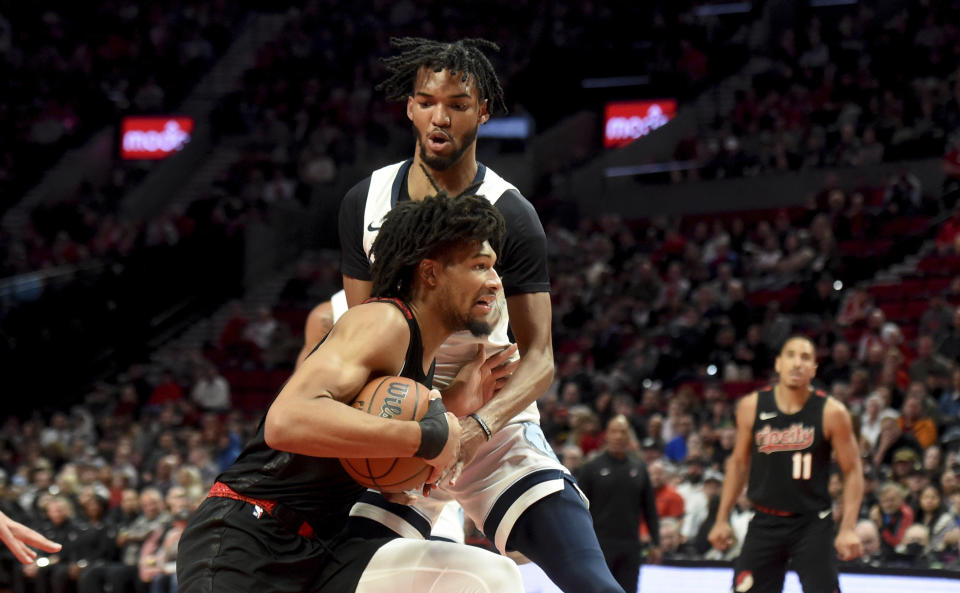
x=463, y=56
x=413, y=231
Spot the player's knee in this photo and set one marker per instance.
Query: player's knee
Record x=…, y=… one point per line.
x=503, y=576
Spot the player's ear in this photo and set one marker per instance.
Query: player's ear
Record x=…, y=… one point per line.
x=484, y=111
x=428, y=271
x=410, y=108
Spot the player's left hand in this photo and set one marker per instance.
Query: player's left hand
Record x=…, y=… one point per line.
x=479, y=380
x=848, y=545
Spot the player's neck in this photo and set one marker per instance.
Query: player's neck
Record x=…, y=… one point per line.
x=453, y=180
x=791, y=400
x=433, y=330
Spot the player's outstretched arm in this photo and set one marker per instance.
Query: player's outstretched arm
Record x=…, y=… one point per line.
x=18, y=538
x=310, y=416
x=838, y=428
x=737, y=469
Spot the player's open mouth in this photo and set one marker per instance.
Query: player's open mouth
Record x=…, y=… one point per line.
x=485, y=303
x=437, y=141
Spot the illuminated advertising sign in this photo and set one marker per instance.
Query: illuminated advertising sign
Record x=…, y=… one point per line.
x=518, y=127
x=153, y=137
x=625, y=121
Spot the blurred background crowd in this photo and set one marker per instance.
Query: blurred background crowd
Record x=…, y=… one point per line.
x=140, y=350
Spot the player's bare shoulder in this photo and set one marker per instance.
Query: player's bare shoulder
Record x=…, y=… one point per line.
x=836, y=417
x=747, y=410
x=382, y=319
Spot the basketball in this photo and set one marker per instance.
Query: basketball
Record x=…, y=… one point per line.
x=399, y=398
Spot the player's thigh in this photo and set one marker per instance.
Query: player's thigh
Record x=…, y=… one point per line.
x=813, y=557
x=762, y=563
x=511, y=472
x=443, y=567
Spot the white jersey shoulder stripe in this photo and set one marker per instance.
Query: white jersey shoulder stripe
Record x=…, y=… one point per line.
x=379, y=202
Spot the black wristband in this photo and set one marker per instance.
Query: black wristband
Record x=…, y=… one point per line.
x=483, y=425
x=433, y=430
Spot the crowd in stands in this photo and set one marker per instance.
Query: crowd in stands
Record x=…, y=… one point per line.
x=666, y=321
x=654, y=319
x=71, y=69
x=845, y=87
x=657, y=321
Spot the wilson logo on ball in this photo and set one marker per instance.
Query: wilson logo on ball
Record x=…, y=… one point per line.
x=393, y=402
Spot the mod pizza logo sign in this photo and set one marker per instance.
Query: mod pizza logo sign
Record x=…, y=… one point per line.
x=154, y=137
x=625, y=121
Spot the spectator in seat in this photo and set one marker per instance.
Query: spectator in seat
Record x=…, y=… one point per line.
x=892, y=516
x=914, y=420
x=211, y=391
x=91, y=542
x=839, y=366
x=870, y=543
x=950, y=398
x=935, y=515
x=58, y=525
x=122, y=576
x=669, y=501
x=928, y=361
x=892, y=439
x=949, y=345
x=261, y=329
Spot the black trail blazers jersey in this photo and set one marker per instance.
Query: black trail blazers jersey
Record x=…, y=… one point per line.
x=790, y=458
x=317, y=488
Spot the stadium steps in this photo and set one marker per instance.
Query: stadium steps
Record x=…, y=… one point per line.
x=208, y=330
x=169, y=177
x=75, y=165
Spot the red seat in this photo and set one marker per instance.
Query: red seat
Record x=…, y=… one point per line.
x=913, y=310
x=893, y=310
x=935, y=286
x=886, y=293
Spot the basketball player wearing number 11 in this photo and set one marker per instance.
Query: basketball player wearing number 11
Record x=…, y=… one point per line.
x=785, y=435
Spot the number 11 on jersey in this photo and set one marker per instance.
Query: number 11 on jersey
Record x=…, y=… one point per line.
x=802, y=466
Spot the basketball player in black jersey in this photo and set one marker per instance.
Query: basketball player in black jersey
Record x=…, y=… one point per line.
x=785, y=435
x=275, y=521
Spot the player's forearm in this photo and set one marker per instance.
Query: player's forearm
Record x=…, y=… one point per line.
x=736, y=477
x=323, y=427
x=852, y=497
x=528, y=382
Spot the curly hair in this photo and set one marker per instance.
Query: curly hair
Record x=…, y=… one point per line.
x=464, y=56
x=414, y=231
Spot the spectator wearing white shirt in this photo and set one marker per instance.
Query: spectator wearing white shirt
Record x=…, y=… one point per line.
x=211, y=391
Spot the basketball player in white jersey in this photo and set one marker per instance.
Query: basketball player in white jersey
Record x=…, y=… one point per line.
x=512, y=486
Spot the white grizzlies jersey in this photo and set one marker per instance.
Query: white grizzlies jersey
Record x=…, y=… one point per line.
x=383, y=189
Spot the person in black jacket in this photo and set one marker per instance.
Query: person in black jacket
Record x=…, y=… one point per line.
x=57, y=525
x=619, y=489
x=91, y=542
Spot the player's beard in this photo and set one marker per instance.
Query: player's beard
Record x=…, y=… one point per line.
x=442, y=163
x=477, y=326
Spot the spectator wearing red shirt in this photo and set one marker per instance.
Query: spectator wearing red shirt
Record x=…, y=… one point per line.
x=669, y=501
x=892, y=516
x=166, y=391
